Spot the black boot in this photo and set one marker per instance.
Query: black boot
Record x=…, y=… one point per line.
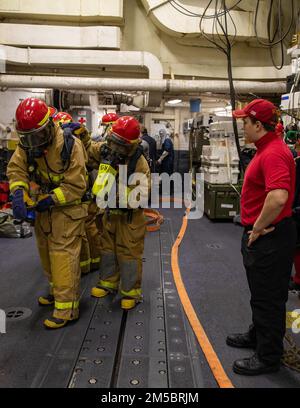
x=54, y=323
x=241, y=340
x=46, y=300
x=254, y=366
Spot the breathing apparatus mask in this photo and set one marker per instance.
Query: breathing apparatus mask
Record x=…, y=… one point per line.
x=112, y=155
x=36, y=141
x=118, y=152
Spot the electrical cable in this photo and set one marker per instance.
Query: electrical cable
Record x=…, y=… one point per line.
x=206, y=36
x=216, y=16
x=190, y=13
x=224, y=44
x=222, y=28
x=278, y=26
x=219, y=23
x=232, y=90
x=282, y=37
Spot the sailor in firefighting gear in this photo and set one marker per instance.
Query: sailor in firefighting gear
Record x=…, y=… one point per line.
x=90, y=250
x=123, y=233
x=56, y=164
x=107, y=121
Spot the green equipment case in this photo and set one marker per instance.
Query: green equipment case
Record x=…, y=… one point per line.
x=221, y=201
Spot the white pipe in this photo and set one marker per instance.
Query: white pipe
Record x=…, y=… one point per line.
x=123, y=84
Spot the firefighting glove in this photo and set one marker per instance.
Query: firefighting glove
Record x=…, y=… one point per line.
x=28, y=201
x=44, y=204
x=79, y=131
x=71, y=125
x=18, y=205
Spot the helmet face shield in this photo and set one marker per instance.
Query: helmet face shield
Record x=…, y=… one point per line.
x=33, y=139
x=117, y=148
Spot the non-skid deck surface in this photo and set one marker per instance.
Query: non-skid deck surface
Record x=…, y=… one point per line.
x=150, y=346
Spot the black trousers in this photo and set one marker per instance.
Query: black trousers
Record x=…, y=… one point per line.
x=268, y=263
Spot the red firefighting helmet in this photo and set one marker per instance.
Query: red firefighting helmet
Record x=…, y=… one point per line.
x=32, y=120
x=109, y=119
x=126, y=130
x=53, y=111
x=62, y=117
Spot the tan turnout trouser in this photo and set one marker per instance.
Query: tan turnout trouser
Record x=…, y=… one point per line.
x=59, y=233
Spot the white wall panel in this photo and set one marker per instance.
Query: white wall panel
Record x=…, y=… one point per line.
x=112, y=9
x=46, y=36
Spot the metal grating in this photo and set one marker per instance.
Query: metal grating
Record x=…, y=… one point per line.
x=181, y=361
x=14, y=314
x=144, y=357
x=95, y=364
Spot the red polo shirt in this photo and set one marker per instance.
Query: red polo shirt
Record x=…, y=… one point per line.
x=272, y=168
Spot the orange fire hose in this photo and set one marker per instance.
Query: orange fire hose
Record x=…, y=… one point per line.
x=210, y=354
x=155, y=219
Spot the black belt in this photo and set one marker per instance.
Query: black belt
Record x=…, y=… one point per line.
x=250, y=227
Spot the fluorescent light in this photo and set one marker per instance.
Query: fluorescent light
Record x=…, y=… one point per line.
x=174, y=101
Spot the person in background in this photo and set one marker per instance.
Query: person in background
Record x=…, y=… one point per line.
x=152, y=149
x=295, y=280
x=91, y=247
x=268, y=241
x=146, y=150
x=166, y=160
x=280, y=129
x=291, y=135
x=107, y=121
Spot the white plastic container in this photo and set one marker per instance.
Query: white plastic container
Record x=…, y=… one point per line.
x=221, y=141
x=224, y=129
x=216, y=154
x=220, y=174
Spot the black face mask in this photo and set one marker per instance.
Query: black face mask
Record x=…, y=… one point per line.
x=37, y=152
x=110, y=157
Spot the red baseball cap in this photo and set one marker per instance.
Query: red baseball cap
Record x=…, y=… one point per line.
x=259, y=109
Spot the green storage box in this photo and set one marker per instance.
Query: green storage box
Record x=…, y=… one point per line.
x=221, y=201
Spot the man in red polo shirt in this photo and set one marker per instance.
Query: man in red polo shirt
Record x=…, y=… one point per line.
x=268, y=240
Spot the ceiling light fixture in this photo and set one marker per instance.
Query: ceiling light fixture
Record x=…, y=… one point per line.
x=174, y=101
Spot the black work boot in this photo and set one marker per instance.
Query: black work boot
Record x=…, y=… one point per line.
x=46, y=300
x=55, y=323
x=253, y=366
x=241, y=340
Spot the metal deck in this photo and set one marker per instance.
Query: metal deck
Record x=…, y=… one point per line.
x=150, y=346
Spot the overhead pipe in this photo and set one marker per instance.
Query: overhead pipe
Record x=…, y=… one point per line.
x=172, y=86
x=77, y=99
